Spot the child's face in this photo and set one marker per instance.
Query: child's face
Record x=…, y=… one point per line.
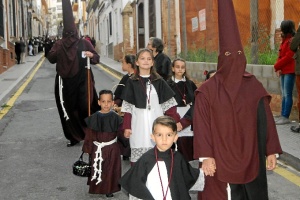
x=145, y=61
x=164, y=137
x=179, y=69
x=105, y=102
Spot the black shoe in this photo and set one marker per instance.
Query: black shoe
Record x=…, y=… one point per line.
x=72, y=143
x=295, y=129
x=109, y=195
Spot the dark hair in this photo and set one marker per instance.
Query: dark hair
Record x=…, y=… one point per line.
x=173, y=65
x=165, y=121
x=154, y=75
x=130, y=59
x=208, y=73
x=287, y=27
x=158, y=44
x=105, y=92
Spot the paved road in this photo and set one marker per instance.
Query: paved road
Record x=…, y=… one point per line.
x=35, y=162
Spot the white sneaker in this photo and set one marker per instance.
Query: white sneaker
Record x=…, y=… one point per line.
x=282, y=120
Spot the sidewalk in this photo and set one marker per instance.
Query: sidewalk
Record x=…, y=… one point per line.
x=14, y=77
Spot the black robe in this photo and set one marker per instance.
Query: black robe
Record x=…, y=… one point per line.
x=183, y=177
x=134, y=91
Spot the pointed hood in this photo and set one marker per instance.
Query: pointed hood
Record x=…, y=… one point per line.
x=68, y=19
x=232, y=60
x=231, y=99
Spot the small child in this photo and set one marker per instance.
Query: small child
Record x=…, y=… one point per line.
x=161, y=173
x=184, y=89
x=209, y=74
x=127, y=65
x=101, y=144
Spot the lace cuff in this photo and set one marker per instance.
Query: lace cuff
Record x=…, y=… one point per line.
x=127, y=107
x=168, y=104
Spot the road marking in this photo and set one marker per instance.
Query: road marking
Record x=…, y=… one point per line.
x=290, y=176
x=109, y=71
x=15, y=96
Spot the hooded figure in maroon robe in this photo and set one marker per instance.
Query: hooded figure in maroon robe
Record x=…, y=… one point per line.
x=234, y=129
x=71, y=93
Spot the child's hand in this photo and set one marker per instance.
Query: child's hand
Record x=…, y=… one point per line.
x=127, y=133
x=209, y=166
x=271, y=162
x=179, y=126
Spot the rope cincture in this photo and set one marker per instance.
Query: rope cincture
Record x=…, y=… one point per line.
x=60, y=85
x=98, y=157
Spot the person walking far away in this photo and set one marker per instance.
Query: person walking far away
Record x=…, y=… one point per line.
x=285, y=69
x=161, y=173
x=101, y=144
x=23, y=50
x=235, y=136
x=18, y=51
x=295, y=46
x=71, y=93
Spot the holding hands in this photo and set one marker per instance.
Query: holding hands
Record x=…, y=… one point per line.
x=209, y=166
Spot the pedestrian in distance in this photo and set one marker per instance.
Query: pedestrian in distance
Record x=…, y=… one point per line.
x=18, y=51
x=73, y=78
x=23, y=49
x=161, y=173
x=235, y=136
x=128, y=66
x=93, y=41
x=162, y=61
x=295, y=47
x=30, y=47
x=146, y=96
x=101, y=144
x=184, y=89
x=285, y=70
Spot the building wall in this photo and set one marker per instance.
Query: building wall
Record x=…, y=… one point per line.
x=264, y=73
x=208, y=39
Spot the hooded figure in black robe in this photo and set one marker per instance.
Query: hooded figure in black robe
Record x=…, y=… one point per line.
x=71, y=81
x=234, y=129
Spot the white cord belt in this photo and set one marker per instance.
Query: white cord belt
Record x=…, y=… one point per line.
x=98, y=157
x=60, y=85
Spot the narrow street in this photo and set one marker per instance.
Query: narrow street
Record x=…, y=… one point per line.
x=35, y=161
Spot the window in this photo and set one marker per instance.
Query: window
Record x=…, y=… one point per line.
x=110, y=24
x=152, y=19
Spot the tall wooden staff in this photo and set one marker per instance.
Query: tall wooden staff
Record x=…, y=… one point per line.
x=88, y=67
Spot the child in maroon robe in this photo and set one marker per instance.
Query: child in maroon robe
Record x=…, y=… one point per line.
x=101, y=144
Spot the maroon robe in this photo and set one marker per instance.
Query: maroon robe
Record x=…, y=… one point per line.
x=103, y=128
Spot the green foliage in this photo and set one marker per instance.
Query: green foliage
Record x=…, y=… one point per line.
x=267, y=57
x=200, y=55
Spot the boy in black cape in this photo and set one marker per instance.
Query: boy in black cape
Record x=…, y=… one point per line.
x=161, y=173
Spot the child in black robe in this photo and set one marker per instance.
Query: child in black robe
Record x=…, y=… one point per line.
x=101, y=144
x=184, y=89
x=161, y=173
x=128, y=66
